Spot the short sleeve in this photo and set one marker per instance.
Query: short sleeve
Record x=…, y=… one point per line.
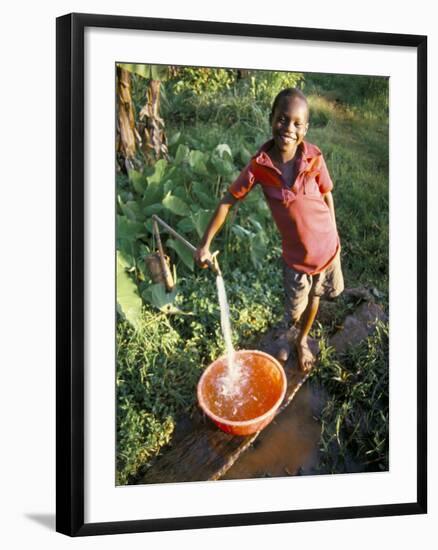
x=323, y=179
x=243, y=184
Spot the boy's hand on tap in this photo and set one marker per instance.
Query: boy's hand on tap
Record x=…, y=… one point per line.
x=202, y=256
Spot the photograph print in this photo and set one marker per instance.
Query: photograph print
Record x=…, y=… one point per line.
x=252, y=243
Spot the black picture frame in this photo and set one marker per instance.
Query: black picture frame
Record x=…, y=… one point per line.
x=70, y=272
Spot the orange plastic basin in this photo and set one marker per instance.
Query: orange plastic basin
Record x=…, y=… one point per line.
x=253, y=399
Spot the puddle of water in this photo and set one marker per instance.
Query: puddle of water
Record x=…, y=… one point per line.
x=288, y=446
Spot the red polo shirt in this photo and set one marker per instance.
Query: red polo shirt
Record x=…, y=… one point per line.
x=309, y=237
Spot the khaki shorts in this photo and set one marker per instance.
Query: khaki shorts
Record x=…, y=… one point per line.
x=298, y=286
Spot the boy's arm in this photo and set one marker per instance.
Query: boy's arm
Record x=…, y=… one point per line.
x=328, y=199
x=217, y=220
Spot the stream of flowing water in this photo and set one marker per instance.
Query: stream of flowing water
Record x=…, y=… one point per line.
x=231, y=383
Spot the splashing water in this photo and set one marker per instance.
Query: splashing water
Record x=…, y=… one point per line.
x=230, y=384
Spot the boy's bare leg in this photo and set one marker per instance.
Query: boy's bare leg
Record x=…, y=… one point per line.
x=306, y=358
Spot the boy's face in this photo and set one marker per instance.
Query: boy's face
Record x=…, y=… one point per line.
x=290, y=122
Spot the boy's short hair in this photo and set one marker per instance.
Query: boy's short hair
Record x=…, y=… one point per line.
x=287, y=92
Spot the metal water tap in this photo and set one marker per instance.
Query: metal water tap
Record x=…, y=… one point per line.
x=213, y=264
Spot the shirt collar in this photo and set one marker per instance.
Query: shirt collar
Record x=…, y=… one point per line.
x=262, y=158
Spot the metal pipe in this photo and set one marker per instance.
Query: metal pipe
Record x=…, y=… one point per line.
x=168, y=279
x=212, y=265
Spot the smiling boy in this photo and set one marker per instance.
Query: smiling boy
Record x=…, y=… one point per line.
x=297, y=187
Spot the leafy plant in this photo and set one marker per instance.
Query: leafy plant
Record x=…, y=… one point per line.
x=128, y=300
x=183, y=192
x=203, y=79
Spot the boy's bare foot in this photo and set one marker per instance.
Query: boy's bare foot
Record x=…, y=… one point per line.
x=306, y=359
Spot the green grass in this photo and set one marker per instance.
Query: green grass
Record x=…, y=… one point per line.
x=355, y=416
x=356, y=150
x=158, y=365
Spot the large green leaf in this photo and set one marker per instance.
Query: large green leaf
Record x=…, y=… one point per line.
x=176, y=205
x=183, y=252
x=140, y=69
x=125, y=260
x=138, y=181
x=157, y=296
x=159, y=170
x=169, y=185
x=127, y=229
x=207, y=200
x=129, y=303
x=174, y=138
x=127, y=211
x=181, y=193
x=154, y=193
x=201, y=219
x=222, y=166
x=197, y=162
x=148, y=225
x=149, y=210
x=224, y=149
x=133, y=210
x=182, y=154
x=154, y=72
x=178, y=175
x=128, y=233
x=185, y=225
x=159, y=72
